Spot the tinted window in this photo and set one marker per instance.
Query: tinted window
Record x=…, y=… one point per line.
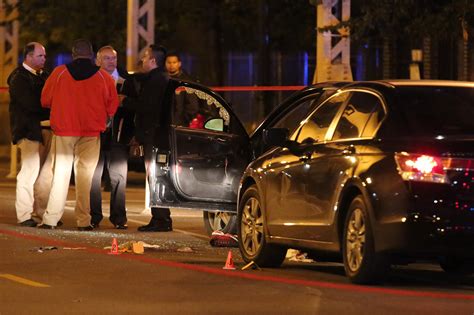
x=317, y=125
x=357, y=116
x=292, y=120
x=374, y=121
x=429, y=111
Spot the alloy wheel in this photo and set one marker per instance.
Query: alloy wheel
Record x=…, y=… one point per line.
x=219, y=220
x=355, y=240
x=252, y=226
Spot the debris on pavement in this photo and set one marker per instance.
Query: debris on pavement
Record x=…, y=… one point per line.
x=134, y=247
x=43, y=249
x=74, y=248
x=252, y=265
x=185, y=249
x=221, y=239
x=145, y=245
x=298, y=256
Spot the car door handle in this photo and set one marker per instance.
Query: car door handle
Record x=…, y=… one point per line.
x=349, y=150
x=306, y=156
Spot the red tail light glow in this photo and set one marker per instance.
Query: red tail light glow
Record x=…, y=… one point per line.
x=417, y=167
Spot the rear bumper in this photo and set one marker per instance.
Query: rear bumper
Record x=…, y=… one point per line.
x=428, y=236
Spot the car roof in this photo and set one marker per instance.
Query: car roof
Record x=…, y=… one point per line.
x=399, y=83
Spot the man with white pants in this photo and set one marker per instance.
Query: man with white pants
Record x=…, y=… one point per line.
x=30, y=129
x=81, y=97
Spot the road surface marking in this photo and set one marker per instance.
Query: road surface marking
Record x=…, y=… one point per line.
x=249, y=275
x=23, y=281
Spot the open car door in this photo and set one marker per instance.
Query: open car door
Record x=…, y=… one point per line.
x=204, y=155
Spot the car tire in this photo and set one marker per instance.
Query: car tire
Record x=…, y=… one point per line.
x=362, y=264
x=225, y=222
x=252, y=232
x=456, y=266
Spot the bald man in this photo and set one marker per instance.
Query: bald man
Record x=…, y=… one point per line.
x=30, y=130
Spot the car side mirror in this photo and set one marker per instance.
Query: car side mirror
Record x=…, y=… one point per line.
x=275, y=136
x=216, y=124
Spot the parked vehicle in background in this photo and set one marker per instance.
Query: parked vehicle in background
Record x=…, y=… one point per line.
x=368, y=173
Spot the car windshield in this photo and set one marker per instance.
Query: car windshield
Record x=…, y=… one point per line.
x=434, y=110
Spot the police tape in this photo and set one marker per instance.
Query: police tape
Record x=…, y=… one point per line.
x=257, y=88
x=249, y=88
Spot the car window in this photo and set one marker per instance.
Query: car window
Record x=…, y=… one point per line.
x=193, y=108
x=375, y=119
x=316, y=126
x=357, y=116
x=433, y=110
x=293, y=118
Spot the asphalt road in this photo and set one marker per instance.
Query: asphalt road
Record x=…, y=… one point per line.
x=65, y=271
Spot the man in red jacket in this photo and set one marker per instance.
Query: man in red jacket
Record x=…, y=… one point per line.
x=81, y=97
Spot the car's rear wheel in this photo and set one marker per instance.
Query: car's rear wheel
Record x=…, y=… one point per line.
x=362, y=263
x=456, y=265
x=252, y=239
x=220, y=221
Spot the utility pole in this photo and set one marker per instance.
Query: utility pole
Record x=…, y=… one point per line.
x=140, y=29
x=140, y=35
x=333, y=48
x=9, y=27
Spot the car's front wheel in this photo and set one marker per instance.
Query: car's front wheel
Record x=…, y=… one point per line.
x=225, y=222
x=363, y=265
x=252, y=239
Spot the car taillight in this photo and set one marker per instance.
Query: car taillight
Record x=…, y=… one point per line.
x=418, y=167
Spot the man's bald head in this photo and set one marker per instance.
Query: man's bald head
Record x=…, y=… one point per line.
x=34, y=55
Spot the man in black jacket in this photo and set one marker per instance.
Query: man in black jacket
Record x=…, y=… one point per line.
x=186, y=105
x=30, y=130
x=148, y=115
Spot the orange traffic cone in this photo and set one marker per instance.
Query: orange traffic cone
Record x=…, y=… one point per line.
x=114, y=248
x=229, y=264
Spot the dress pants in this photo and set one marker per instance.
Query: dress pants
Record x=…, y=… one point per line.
x=35, y=176
x=115, y=161
x=83, y=154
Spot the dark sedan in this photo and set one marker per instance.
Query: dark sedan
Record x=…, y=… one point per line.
x=370, y=173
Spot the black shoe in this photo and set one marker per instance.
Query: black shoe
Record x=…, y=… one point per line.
x=46, y=227
x=29, y=223
x=95, y=225
x=85, y=228
x=121, y=226
x=156, y=227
